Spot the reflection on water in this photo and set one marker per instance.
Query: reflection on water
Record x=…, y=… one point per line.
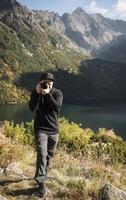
x=93, y=116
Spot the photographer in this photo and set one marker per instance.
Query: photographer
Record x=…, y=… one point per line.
x=46, y=101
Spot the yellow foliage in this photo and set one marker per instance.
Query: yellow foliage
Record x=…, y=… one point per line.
x=73, y=136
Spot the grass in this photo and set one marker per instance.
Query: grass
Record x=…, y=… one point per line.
x=72, y=178
x=76, y=175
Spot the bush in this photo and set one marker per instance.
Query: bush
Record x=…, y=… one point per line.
x=7, y=155
x=106, y=135
x=72, y=136
x=22, y=133
x=108, y=147
x=104, y=146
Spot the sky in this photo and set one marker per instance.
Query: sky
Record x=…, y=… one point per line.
x=115, y=9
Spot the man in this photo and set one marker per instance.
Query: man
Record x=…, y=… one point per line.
x=46, y=101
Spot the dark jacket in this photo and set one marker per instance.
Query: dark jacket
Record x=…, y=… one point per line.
x=47, y=109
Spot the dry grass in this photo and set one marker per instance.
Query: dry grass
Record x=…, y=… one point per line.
x=74, y=176
x=73, y=179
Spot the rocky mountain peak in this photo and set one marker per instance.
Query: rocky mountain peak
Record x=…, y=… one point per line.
x=79, y=11
x=90, y=33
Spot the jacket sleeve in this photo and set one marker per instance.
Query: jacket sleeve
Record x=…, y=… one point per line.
x=34, y=100
x=54, y=103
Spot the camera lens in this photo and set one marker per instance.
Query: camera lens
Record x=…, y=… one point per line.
x=44, y=85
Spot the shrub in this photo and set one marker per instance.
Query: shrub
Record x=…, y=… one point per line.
x=106, y=135
x=22, y=133
x=104, y=146
x=72, y=136
x=9, y=154
x=108, y=147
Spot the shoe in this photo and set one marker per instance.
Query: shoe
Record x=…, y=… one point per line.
x=38, y=194
x=42, y=190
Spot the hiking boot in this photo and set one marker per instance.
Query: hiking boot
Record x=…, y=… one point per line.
x=42, y=190
x=38, y=194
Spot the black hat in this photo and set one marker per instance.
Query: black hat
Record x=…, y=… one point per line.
x=46, y=76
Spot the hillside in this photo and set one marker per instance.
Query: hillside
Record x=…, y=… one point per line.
x=32, y=41
x=27, y=48
x=86, y=166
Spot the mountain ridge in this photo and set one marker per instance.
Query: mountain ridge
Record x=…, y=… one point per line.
x=88, y=32
x=84, y=32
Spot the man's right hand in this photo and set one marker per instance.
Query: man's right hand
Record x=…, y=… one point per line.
x=38, y=89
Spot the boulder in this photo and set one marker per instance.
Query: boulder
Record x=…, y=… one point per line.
x=2, y=198
x=110, y=192
x=1, y=171
x=14, y=169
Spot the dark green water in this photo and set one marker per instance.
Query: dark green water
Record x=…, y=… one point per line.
x=91, y=116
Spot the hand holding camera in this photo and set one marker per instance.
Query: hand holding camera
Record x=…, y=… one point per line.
x=42, y=88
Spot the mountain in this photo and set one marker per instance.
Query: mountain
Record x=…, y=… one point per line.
x=83, y=32
x=32, y=41
x=37, y=42
x=87, y=33
x=114, y=51
x=28, y=45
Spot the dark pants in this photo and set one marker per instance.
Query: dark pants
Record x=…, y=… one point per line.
x=46, y=146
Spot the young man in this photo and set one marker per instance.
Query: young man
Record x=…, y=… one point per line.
x=46, y=101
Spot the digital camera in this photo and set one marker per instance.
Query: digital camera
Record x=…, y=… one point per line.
x=44, y=85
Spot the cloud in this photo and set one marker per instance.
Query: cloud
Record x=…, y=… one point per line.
x=94, y=8
x=116, y=11
x=120, y=9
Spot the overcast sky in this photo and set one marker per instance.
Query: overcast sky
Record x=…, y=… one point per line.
x=109, y=8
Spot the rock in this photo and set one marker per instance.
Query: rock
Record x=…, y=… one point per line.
x=110, y=192
x=2, y=198
x=14, y=169
x=1, y=171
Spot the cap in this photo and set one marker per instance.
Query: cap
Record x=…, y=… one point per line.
x=46, y=75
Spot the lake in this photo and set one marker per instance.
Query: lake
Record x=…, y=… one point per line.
x=110, y=116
